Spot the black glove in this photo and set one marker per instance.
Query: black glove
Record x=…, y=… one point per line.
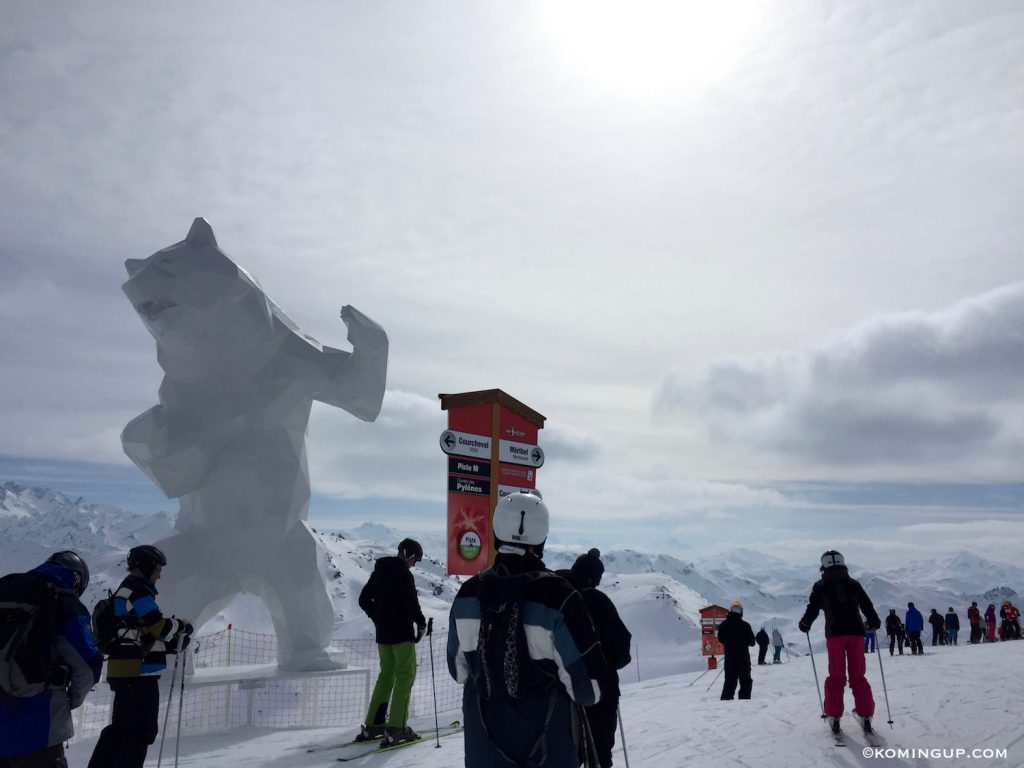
x=420, y=629
x=183, y=641
x=805, y=628
x=874, y=627
x=186, y=628
x=430, y=626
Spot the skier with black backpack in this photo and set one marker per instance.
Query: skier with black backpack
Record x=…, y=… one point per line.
x=48, y=661
x=142, y=638
x=522, y=699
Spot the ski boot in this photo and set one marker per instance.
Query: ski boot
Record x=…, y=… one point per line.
x=395, y=736
x=865, y=722
x=370, y=733
x=833, y=724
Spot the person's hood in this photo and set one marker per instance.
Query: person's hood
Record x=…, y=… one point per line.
x=61, y=577
x=389, y=565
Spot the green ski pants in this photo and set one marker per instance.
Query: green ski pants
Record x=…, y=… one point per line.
x=394, y=684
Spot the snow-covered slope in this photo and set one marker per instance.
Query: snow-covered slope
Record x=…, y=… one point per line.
x=957, y=698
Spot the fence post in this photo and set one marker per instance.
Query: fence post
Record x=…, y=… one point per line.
x=229, y=645
x=230, y=687
x=637, y=646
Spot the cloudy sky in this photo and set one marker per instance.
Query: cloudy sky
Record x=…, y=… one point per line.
x=759, y=263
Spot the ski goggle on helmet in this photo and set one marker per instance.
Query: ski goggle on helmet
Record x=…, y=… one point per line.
x=831, y=559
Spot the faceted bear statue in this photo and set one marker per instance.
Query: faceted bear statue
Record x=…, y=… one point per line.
x=229, y=436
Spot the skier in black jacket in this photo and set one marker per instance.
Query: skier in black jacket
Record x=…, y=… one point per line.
x=843, y=599
x=762, y=644
x=894, y=629
x=736, y=636
x=938, y=628
x=586, y=575
x=389, y=599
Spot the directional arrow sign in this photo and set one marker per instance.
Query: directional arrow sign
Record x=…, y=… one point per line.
x=466, y=444
x=520, y=453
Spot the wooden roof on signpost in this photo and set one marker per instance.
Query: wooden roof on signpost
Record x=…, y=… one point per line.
x=488, y=396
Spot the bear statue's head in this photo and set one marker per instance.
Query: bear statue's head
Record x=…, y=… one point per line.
x=198, y=304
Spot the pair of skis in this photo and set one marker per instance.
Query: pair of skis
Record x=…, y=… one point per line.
x=355, y=750
x=839, y=738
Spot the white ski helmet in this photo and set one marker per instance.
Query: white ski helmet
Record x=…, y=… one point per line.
x=521, y=518
x=832, y=558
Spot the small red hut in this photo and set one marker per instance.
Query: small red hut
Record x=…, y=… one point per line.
x=710, y=618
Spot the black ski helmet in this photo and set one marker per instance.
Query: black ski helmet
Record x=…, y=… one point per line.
x=72, y=561
x=146, y=558
x=410, y=548
x=831, y=559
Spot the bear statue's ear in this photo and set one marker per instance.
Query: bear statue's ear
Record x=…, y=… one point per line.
x=201, y=234
x=134, y=265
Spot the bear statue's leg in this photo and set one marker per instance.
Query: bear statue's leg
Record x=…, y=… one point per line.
x=196, y=582
x=295, y=592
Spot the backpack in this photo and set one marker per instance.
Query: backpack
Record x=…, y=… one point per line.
x=105, y=624
x=506, y=671
x=28, y=634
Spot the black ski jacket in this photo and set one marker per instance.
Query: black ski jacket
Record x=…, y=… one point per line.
x=737, y=636
x=762, y=638
x=615, y=638
x=843, y=599
x=389, y=599
x=893, y=625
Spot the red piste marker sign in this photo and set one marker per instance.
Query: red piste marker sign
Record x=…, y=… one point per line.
x=491, y=442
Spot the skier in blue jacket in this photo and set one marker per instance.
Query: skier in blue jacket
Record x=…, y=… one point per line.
x=33, y=729
x=914, y=622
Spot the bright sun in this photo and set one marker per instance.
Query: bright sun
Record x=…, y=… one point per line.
x=649, y=46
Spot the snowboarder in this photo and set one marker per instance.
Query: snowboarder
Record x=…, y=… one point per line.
x=843, y=599
x=615, y=639
x=62, y=662
x=974, y=618
x=736, y=636
x=869, y=641
x=915, y=626
x=777, y=642
x=990, y=622
x=894, y=629
x=520, y=699
x=952, y=626
x=137, y=657
x=762, y=645
x=938, y=628
x=389, y=599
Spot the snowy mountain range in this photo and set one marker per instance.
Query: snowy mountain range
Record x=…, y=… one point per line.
x=657, y=595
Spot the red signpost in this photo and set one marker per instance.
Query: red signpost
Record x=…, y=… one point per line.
x=710, y=618
x=491, y=442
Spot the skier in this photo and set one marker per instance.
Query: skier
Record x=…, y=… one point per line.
x=777, y=642
x=1011, y=621
x=894, y=629
x=952, y=626
x=137, y=657
x=915, y=626
x=990, y=622
x=938, y=628
x=389, y=599
x=974, y=617
x=736, y=636
x=869, y=641
x=518, y=695
x=34, y=727
x=585, y=576
x=762, y=645
x=1014, y=621
x=843, y=599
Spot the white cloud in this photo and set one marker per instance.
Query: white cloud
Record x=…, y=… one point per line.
x=939, y=390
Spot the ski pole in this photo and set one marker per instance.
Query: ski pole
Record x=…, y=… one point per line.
x=713, y=681
x=698, y=677
x=433, y=684
x=885, y=690
x=167, y=713
x=622, y=735
x=817, y=685
x=591, y=759
x=181, y=701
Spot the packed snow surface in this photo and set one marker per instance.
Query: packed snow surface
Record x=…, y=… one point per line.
x=953, y=698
